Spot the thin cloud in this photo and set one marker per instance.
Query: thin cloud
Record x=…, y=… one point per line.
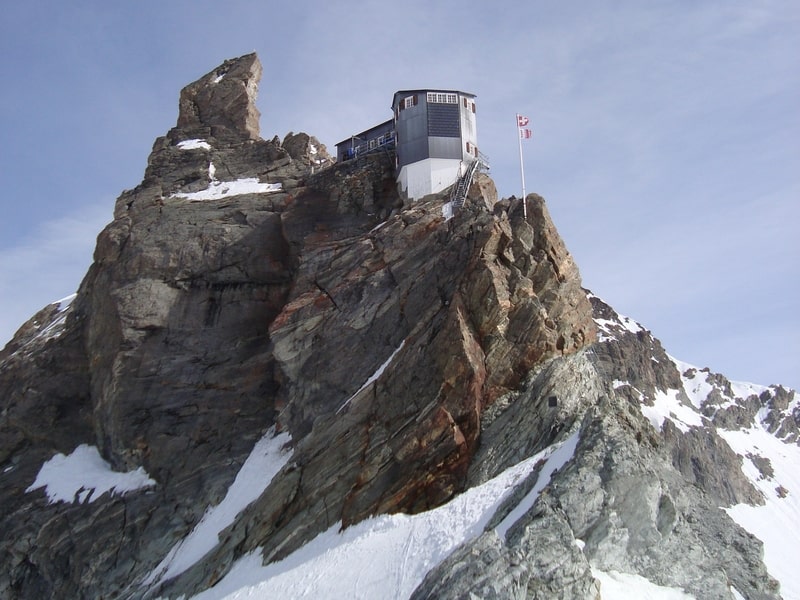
x=47, y=265
x=665, y=135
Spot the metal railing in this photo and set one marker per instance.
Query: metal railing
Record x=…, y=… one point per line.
x=463, y=181
x=384, y=142
x=461, y=187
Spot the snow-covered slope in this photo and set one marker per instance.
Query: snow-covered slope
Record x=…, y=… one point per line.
x=387, y=557
x=760, y=425
x=268, y=456
x=777, y=522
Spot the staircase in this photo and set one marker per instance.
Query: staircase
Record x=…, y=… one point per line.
x=461, y=187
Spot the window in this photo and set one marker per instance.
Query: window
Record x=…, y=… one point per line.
x=442, y=98
x=409, y=101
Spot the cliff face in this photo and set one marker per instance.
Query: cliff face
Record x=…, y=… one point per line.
x=235, y=291
x=647, y=488
x=247, y=289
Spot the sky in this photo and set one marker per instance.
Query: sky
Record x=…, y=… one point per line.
x=666, y=135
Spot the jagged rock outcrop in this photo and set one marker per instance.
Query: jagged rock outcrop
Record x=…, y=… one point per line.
x=222, y=300
x=626, y=501
x=222, y=103
x=247, y=286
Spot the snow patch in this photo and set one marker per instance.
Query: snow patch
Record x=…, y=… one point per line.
x=378, y=226
x=372, y=378
x=224, y=189
x=626, y=586
x=56, y=326
x=604, y=335
x=777, y=522
x=667, y=405
x=555, y=461
x=384, y=557
x=83, y=476
x=217, y=190
x=195, y=144
x=743, y=389
x=267, y=457
x=630, y=325
x=695, y=383
x=65, y=303
x=737, y=595
x=609, y=327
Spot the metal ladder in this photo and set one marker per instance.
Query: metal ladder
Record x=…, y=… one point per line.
x=460, y=189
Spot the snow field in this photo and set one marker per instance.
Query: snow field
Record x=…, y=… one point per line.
x=385, y=557
x=777, y=523
x=625, y=586
x=667, y=406
x=555, y=461
x=265, y=460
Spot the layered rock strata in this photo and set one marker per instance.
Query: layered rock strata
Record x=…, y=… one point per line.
x=240, y=287
x=248, y=287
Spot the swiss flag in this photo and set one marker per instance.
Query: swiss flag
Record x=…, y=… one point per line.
x=522, y=121
x=525, y=133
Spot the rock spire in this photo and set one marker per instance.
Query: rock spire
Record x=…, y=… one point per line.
x=222, y=103
x=244, y=294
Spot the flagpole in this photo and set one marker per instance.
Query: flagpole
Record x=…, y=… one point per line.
x=521, y=168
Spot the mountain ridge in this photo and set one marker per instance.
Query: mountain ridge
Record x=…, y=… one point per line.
x=242, y=293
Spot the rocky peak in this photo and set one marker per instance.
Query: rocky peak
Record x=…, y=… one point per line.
x=222, y=103
x=244, y=294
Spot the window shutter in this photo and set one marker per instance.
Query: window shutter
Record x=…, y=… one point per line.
x=415, y=99
x=465, y=103
x=473, y=108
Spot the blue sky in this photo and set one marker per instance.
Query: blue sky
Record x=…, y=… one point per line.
x=666, y=135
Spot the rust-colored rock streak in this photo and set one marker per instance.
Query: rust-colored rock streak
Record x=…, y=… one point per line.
x=377, y=334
